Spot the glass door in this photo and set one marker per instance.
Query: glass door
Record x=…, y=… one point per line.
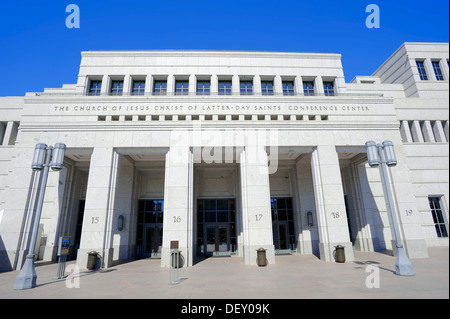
x=210, y=240
x=153, y=241
x=281, y=236
x=283, y=225
x=149, y=228
x=216, y=234
x=217, y=240
x=222, y=239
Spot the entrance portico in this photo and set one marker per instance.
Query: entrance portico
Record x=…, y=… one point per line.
x=280, y=165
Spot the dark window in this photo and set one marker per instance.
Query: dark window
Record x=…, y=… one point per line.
x=138, y=87
x=328, y=88
x=288, y=88
x=160, y=87
x=437, y=71
x=203, y=87
x=95, y=87
x=438, y=216
x=116, y=87
x=181, y=87
x=246, y=87
x=267, y=87
x=422, y=71
x=308, y=88
x=224, y=87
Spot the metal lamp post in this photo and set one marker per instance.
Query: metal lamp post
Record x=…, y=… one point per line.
x=383, y=156
x=44, y=158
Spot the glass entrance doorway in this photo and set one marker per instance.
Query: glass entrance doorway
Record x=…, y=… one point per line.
x=149, y=228
x=217, y=239
x=216, y=233
x=283, y=225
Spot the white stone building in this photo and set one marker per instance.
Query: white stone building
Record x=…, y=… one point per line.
x=228, y=152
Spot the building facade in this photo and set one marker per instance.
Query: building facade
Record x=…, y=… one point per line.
x=226, y=153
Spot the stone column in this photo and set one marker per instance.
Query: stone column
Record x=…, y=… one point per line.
x=10, y=133
x=405, y=132
x=2, y=132
x=192, y=85
x=99, y=209
x=105, y=85
x=277, y=85
x=214, y=86
x=178, y=204
x=235, y=85
x=428, y=134
x=256, y=210
x=438, y=131
x=330, y=206
x=307, y=237
x=416, y=132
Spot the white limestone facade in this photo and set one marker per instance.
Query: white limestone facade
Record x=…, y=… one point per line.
x=228, y=152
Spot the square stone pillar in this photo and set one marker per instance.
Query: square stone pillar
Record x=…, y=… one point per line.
x=178, y=204
x=99, y=208
x=330, y=205
x=256, y=210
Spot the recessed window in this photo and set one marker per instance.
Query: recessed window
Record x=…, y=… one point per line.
x=308, y=88
x=328, y=88
x=95, y=87
x=181, y=87
x=288, y=87
x=438, y=216
x=224, y=87
x=203, y=87
x=138, y=87
x=422, y=71
x=437, y=71
x=116, y=87
x=246, y=87
x=160, y=87
x=267, y=87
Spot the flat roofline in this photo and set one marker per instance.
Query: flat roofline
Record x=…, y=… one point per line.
x=170, y=52
x=404, y=45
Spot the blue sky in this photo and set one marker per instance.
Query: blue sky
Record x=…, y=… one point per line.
x=37, y=50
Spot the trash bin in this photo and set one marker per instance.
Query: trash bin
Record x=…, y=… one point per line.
x=340, y=254
x=92, y=260
x=261, y=257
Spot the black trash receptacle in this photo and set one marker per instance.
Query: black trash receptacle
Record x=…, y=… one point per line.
x=92, y=260
x=340, y=254
x=262, y=261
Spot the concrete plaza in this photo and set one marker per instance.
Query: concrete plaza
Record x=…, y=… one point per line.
x=293, y=276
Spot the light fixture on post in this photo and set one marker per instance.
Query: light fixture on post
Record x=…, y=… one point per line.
x=309, y=216
x=383, y=155
x=120, y=222
x=44, y=158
